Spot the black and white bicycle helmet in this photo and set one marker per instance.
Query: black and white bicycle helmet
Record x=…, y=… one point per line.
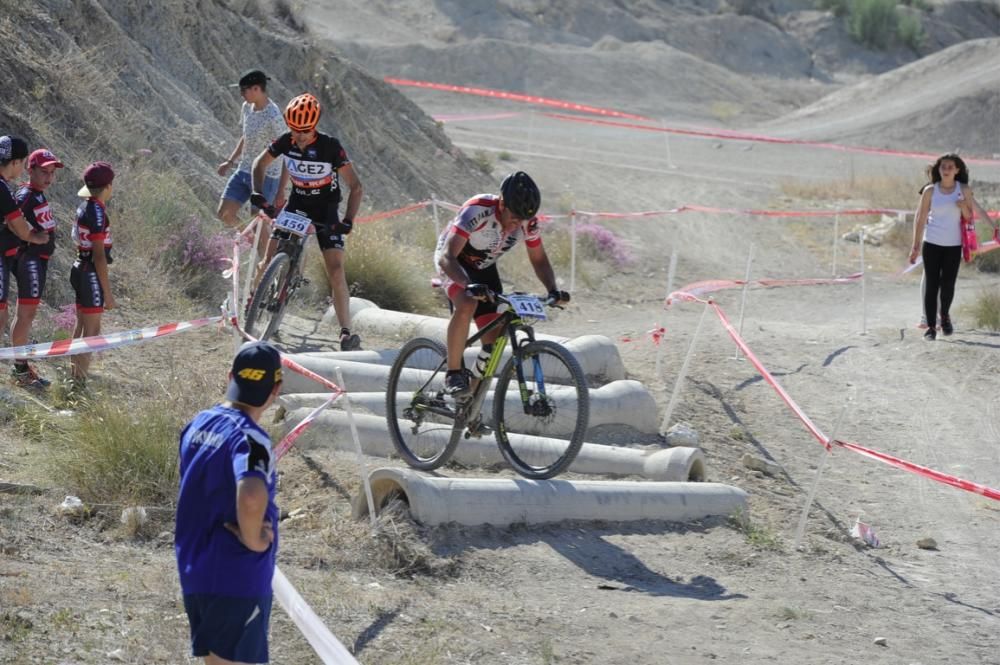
x=520, y=194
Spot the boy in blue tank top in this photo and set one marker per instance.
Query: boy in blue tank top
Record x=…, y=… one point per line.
x=226, y=534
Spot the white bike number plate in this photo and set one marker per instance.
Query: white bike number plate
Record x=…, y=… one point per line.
x=528, y=306
x=293, y=223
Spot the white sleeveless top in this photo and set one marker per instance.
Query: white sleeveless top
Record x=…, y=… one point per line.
x=944, y=218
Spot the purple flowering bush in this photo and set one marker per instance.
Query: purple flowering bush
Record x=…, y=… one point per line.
x=65, y=320
x=199, y=256
x=604, y=245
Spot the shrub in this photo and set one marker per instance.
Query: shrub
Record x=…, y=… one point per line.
x=289, y=15
x=873, y=22
x=482, y=159
x=838, y=7
x=117, y=453
x=596, y=242
x=392, y=272
x=197, y=255
x=986, y=309
x=910, y=32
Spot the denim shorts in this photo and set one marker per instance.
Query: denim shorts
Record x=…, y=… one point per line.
x=231, y=628
x=240, y=187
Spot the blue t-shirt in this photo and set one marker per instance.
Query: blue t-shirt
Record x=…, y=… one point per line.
x=218, y=448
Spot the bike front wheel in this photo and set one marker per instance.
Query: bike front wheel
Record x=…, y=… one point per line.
x=556, y=403
x=425, y=426
x=267, y=306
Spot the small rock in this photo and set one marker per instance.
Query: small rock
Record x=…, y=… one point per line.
x=760, y=464
x=117, y=654
x=134, y=516
x=682, y=434
x=71, y=506
x=881, y=641
x=927, y=543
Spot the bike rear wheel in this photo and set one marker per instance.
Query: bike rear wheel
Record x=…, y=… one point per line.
x=557, y=401
x=423, y=423
x=267, y=306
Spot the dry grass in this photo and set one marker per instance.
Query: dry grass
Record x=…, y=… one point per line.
x=879, y=192
x=389, y=262
x=986, y=309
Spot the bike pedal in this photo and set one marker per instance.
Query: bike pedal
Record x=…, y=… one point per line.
x=479, y=430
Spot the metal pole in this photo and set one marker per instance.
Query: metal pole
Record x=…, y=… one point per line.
x=666, y=140
x=683, y=373
x=357, y=447
x=670, y=289
x=864, y=277
x=437, y=222
x=801, y=529
x=572, y=252
x=836, y=234
x=743, y=300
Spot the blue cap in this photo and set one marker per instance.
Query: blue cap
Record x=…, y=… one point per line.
x=256, y=370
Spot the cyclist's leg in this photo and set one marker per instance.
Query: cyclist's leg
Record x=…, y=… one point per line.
x=89, y=308
x=332, y=245
x=236, y=193
x=5, y=275
x=31, y=272
x=467, y=309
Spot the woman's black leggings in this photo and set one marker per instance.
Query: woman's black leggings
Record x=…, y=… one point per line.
x=940, y=270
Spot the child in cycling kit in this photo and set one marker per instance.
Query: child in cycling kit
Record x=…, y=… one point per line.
x=89, y=275
x=315, y=162
x=13, y=152
x=38, y=241
x=486, y=228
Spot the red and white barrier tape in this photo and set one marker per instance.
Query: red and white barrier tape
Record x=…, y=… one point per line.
x=761, y=138
x=462, y=117
x=699, y=289
x=514, y=96
x=911, y=467
x=71, y=347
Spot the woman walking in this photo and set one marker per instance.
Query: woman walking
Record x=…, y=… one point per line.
x=943, y=203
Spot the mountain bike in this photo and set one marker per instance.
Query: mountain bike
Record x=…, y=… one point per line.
x=549, y=397
x=282, y=277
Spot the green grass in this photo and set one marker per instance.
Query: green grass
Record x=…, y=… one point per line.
x=760, y=536
x=112, y=452
x=482, y=159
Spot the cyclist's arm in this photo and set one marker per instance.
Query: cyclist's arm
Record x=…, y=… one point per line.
x=279, y=198
x=260, y=164
x=542, y=266
x=22, y=229
x=354, y=190
x=449, y=264
x=100, y=258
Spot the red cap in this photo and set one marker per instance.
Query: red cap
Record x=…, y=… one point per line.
x=43, y=157
x=96, y=176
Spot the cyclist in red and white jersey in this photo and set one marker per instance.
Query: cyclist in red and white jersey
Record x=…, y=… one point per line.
x=37, y=231
x=486, y=228
x=316, y=162
x=13, y=152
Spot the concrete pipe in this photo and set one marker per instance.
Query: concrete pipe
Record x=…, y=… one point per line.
x=505, y=501
x=332, y=428
x=598, y=358
x=617, y=403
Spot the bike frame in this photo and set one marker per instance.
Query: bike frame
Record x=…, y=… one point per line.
x=511, y=323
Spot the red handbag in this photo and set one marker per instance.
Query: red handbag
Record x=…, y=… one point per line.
x=970, y=243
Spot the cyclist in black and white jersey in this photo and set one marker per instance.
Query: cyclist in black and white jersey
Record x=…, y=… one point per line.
x=13, y=152
x=316, y=163
x=486, y=228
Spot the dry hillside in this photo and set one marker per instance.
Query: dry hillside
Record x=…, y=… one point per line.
x=102, y=79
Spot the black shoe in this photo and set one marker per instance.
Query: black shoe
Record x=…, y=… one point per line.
x=456, y=383
x=930, y=335
x=946, y=326
x=349, y=342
